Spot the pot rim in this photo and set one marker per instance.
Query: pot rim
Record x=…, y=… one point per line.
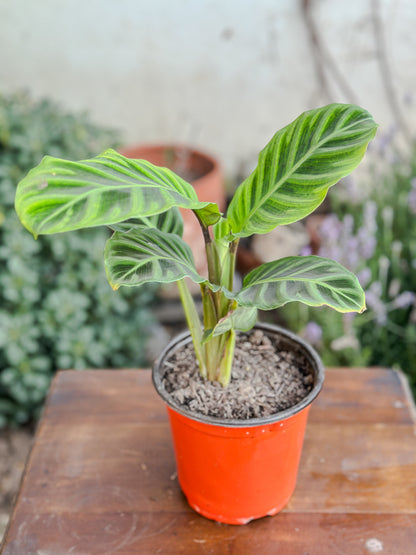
x=193, y=150
x=185, y=338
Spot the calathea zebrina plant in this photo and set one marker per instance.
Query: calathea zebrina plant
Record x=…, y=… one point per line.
x=140, y=202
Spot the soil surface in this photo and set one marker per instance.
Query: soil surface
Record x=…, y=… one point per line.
x=265, y=380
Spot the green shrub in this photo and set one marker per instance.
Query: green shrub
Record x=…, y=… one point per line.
x=56, y=307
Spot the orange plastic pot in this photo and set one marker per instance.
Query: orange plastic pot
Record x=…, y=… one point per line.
x=235, y=471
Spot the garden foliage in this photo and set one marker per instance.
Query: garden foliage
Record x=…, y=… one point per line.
x=56, y=307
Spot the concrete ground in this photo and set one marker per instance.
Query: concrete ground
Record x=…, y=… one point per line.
x=14, y=450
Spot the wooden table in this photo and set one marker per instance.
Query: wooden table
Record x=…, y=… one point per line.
x=101, y=475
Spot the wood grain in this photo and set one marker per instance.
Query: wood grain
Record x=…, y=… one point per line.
x=101, y=476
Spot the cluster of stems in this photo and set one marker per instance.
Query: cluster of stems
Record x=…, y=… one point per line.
x=214, y=355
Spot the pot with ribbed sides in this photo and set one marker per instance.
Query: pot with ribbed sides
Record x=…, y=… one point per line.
x=233, y=471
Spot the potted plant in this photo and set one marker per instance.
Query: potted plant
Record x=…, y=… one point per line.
x=242, y=467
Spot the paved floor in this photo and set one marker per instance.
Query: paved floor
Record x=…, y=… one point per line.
x=14, y=449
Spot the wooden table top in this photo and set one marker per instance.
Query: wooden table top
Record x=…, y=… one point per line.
x=101, y=479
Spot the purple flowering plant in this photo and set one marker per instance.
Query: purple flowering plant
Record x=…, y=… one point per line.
x=376, y=240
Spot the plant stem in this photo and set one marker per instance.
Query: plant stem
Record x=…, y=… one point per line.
x=214, y=267
x=219, y=350
x=194, y=324
x=211, y=347
x=227, y=359
x=232, y=248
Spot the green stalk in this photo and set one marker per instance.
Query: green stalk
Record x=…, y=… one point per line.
x=231, y=259
x=211, y=347
x=227, y=277
x=227, y=359
x=218, y=350
x=194, y=324
x=214, y=266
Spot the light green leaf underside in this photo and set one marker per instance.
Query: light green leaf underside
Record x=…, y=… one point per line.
x=148, y=255
x=298, y=166
x=209, y=214
x=241, y=319
x=312, y=280
x=170, y=221
x=61, y=195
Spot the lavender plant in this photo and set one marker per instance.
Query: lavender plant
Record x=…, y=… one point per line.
x=140, y=203
x=376, y=241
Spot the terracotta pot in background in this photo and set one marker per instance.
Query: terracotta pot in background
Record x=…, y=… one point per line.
x=233, y=471
x=199, y=169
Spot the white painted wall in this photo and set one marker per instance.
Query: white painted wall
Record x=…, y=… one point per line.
x=225, y=74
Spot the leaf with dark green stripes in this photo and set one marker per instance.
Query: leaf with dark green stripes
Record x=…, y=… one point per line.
x=61, y=195
x=170, y=221
x=312, y=280
x=298, y=166
x=148, y=255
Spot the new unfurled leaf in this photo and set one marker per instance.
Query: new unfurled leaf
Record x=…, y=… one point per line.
x=298, y=166
x=209, y=214
x=148, y=255
x=61, y=195
x=222, y=231
x=312, y=280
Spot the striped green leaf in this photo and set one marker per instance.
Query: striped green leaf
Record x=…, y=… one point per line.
x=60, y=195
x=148, y=255
x=170, y=221
x=312, y=280
x=298, y=166
x=242, y=318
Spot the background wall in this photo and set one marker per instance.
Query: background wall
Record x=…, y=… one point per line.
x=225, y=74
